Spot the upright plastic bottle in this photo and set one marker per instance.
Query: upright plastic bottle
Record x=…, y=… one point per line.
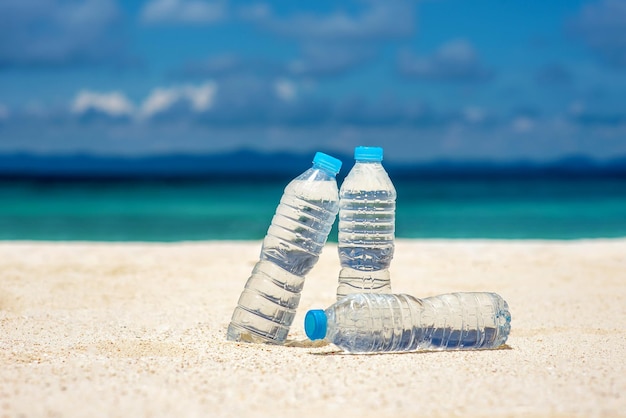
x=292, y=246
x=369, y=322
x=367, y=205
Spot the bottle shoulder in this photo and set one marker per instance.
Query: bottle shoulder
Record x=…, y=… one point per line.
x=314, y=174
x=314, y=184
x=370, y=177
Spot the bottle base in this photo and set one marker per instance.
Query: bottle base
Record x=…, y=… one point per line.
x=246, y=326
x=357, y=281
x=242, y=335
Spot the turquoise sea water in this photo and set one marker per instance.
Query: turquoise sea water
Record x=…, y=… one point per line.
x=535, y=208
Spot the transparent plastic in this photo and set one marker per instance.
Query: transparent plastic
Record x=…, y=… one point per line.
x=367, y=204
x=292, y=246
x=369, y=322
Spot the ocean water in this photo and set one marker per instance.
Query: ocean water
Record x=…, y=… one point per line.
x=504, y=208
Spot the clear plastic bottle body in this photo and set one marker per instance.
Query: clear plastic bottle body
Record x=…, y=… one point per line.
x=362, y=323
x=367, y=203
x=292, y=246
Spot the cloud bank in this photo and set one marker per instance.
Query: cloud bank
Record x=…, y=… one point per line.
x=301, y=76
x=277, y=115
x=56, y=33
x=601, y=26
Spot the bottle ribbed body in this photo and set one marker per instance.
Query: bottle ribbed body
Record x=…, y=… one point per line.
x=292, y=246
x=367, y=203
x=362, y=323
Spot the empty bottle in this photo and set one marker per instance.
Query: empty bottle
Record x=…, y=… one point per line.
x=369, y=322
x=367, y=204
x=292, y=246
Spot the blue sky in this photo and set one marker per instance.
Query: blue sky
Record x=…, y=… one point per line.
x=457, y=79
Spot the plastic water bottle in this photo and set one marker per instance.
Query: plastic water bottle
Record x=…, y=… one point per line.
x=367, y=204
x=292, y=246
x=369, y=322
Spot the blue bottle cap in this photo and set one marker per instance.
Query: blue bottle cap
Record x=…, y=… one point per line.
x=326, y=161
x=368, y=153
x=315, y=324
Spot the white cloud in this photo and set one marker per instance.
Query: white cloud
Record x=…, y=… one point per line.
x=200, y=98
x=183, y=11
x=113, y=103
x=159, y=100
x=382, y=20
x=329, y=58
x=576, y=108
x=285, y=90
x=456, y=60
x=254, y=11
x=523, y=124
x=4, y=111
x=35, y=109
x=474, y=114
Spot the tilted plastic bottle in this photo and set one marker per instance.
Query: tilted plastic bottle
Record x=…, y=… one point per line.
x=367, y=204
x=369, y=322
x=292, y=246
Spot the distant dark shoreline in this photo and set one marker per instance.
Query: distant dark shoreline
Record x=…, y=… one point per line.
x=256, y=177
x=247, y=165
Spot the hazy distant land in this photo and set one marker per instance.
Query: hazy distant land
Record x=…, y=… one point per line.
x=245, y=162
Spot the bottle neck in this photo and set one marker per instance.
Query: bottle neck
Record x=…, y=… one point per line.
x=368, y=161
x=328, y=171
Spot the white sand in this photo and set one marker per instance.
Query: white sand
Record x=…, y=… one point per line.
x=92, y=329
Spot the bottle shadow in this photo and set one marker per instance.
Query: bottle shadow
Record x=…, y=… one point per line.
x=339, y=352
x=306, y=343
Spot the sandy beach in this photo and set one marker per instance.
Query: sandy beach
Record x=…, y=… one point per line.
x=97, y=329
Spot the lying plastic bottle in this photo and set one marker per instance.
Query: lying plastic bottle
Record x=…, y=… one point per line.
x=292, y=246
x=370, y=322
